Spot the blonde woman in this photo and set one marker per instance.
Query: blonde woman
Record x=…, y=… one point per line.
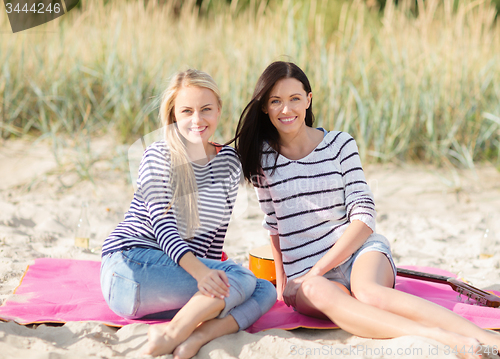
x=165, y=257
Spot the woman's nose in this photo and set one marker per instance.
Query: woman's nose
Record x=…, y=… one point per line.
x=196, y=118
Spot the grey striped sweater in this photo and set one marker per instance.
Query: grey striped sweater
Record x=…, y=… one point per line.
x=147, y=225
x=310, y=202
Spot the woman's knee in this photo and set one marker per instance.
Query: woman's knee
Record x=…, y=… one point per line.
x=371, y=294
x=265, y=294
x=312, y=287
x=319, y=289
x=241, y=280
x=242, y=284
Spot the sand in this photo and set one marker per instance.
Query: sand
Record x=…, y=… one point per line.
x=432, y=217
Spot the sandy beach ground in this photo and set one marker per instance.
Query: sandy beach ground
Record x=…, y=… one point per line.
x=432, y=217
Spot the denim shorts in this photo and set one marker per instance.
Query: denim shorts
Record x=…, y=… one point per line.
x=342, y=273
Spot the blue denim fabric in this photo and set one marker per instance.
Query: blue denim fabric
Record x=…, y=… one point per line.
x=342, y=273
x=146, y=283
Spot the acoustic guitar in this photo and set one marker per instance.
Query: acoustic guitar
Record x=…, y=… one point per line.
x=480, y=296
x=261, y=263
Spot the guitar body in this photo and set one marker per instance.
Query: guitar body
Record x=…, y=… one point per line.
x=261, y=263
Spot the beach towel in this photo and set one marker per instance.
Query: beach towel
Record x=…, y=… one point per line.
x=62, y=290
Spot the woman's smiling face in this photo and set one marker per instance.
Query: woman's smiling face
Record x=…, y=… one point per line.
x=196, y=112
x=287, y=105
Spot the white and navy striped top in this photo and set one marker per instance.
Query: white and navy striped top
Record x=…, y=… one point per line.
x=310, y=202
x=147, y=225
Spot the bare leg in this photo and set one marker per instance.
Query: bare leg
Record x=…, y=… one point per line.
x=356, y=317
x=371, y=283
x=206, y=332
x=164, y=338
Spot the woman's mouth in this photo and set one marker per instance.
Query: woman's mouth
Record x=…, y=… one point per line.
x=198, y=129
x=287, y=120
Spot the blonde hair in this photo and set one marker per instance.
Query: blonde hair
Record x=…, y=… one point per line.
x=182, y=179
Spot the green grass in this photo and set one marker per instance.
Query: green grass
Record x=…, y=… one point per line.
x=407, y=87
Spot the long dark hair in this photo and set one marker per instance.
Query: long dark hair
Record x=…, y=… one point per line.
x=255, y=127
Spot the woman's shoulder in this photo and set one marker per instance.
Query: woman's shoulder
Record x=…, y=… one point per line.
x=158, y=147
x=227, y=161
x=338, y=136
x=158, y=153
x=337, y=139
x=267, y=149
x=226, y=152
x=227, y=155
x=225, y=149
x=269, y=155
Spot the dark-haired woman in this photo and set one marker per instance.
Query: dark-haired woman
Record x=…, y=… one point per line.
x=320, y=214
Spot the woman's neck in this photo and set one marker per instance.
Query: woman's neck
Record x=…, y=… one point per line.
x=200, y=153
x=299, y=144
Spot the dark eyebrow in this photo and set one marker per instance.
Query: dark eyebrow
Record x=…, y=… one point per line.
x=295, y=94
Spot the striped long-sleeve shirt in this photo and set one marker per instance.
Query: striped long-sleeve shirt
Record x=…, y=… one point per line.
x=310, y=202
x=148, y=224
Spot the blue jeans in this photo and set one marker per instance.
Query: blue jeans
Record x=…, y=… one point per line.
x=145, y=283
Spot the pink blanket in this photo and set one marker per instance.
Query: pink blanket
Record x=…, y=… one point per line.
x=63, y=290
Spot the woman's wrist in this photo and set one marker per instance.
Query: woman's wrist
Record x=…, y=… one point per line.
x=314, y=272
x=193, y=266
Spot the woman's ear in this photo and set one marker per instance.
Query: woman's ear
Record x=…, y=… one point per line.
x=264, y=109
x=172, y=115
x=309, y=99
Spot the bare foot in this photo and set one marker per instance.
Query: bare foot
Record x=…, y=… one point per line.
x=204, y=333
x=490, y=344
x=462, y=346
x=162, y=339
x=191, y=346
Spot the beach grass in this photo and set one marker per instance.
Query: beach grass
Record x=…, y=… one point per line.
x=417, y=81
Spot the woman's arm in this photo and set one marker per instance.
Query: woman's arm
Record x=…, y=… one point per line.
x=360, y=211
x=153, y=186
x=355, y=235
x=278, y=265
x=271, y=224
x=211, y=282
x=266, y=204
x=359, y=205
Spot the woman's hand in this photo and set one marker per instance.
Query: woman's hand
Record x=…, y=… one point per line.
x=211, y=282
x=280, y=285
x=214, y=284
x=281, y=279
x=291, y=289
